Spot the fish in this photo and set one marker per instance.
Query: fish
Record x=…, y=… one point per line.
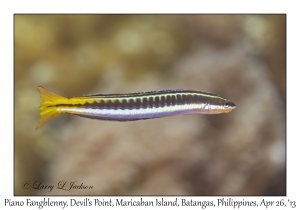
x=132, y=106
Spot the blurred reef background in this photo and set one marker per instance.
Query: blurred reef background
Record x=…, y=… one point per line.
x=240, y=57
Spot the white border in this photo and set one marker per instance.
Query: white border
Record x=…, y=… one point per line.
x=8, y=8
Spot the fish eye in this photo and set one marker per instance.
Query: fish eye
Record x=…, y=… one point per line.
x=227, y=104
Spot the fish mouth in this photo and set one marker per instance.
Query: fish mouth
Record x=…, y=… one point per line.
x=232, y=105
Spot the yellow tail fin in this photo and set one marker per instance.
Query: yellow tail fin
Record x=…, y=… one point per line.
x=48, y=110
